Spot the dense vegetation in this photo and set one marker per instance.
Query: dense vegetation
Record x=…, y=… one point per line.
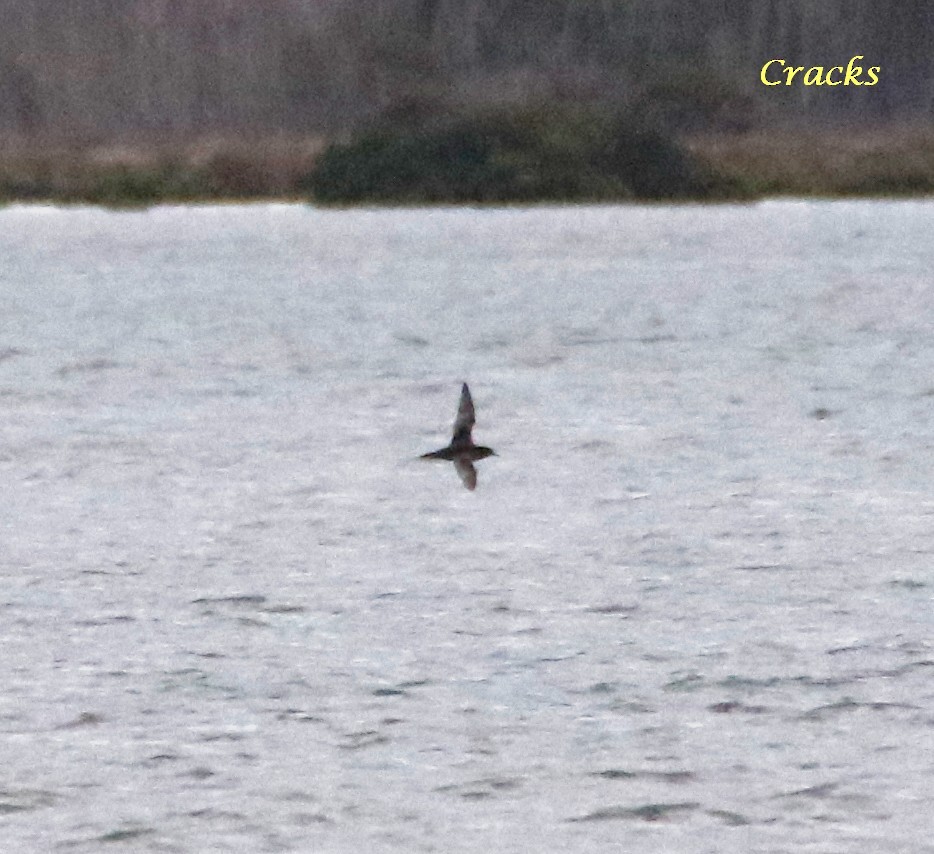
x=124, y=102
x=502, y=155
x=896, y=160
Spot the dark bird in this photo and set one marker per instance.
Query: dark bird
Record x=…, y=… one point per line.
x=462, y=450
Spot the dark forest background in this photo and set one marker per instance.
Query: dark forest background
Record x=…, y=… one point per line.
x=108, y=68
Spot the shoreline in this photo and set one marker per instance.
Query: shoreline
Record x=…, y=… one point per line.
x=895, y=161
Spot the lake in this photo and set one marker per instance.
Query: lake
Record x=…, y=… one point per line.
x=687, y=608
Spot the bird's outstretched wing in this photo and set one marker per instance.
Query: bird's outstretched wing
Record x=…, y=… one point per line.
x=467, y=472
x=464, y=422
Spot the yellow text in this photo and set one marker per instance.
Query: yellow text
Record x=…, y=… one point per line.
x=774, y=70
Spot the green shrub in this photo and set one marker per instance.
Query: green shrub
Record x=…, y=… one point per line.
x=502, y=156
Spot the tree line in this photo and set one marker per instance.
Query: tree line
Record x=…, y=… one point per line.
x=109, y=68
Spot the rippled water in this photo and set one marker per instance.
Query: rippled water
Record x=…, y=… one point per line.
x=688, y=608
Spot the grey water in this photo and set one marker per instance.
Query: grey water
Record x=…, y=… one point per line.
x=689, y=607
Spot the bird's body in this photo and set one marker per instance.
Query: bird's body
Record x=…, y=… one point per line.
x=462, y=451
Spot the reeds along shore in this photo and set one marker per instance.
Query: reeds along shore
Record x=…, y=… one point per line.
x=144, y=171
x=881, y=160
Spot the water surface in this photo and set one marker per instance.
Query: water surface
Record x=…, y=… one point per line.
x=689, y=606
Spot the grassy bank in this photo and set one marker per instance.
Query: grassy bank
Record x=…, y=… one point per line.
x=523, y=163
x=145, y=172
x=895, y=160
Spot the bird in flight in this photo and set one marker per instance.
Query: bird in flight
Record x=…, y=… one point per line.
x=462, y=450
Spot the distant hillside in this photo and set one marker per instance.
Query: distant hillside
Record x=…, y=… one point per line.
x=100, y=69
